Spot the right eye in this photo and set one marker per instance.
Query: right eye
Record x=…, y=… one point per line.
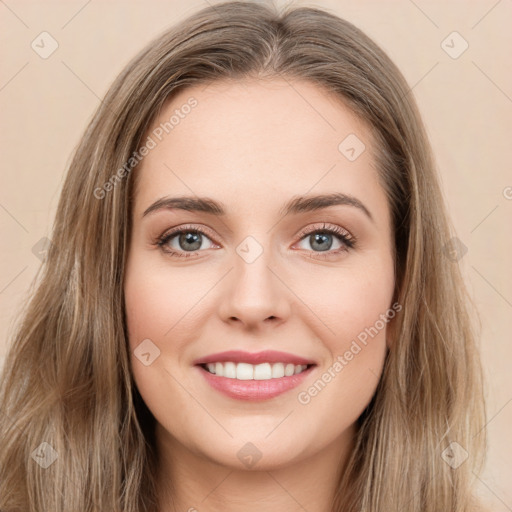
x=183, y=242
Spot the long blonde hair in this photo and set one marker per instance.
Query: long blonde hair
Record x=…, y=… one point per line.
x=67, y=379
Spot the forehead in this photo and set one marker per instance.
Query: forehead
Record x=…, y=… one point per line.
x=255, y=137
x=267, y=115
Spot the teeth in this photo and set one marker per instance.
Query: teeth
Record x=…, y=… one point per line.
x=244, y=371
x=263, y=371
x=229, y=370
x=278, y=370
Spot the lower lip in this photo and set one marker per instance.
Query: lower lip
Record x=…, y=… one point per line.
x=255, y=390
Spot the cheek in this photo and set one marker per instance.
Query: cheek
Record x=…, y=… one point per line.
x=163, y=306
x=154, y=303
x=355, y=308
x=157, y=300
x=348, y=300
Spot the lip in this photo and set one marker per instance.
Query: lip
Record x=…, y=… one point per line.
x=266, y=356
x=254, y=390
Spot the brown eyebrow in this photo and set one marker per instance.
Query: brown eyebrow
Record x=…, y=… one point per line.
x=312, y=203
x=190, y=204
x=296, y=205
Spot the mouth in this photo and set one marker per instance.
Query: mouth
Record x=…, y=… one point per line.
x=248, y=382
x=247, y=371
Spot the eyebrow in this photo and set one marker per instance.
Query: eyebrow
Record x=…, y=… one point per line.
x=299, y=204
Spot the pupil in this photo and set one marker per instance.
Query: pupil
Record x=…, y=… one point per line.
x=190, y=238
x=318, y=237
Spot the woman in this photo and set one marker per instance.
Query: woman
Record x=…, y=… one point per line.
x=311, y=349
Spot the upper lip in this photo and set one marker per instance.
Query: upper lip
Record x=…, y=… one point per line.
x=267, y=356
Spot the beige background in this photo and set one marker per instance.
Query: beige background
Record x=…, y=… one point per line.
x=466, y=103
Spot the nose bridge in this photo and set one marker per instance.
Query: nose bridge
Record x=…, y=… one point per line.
x=252, y=275
x=255, y=293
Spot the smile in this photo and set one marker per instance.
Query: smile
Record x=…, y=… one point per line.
x=254, y=382
x=246, y=371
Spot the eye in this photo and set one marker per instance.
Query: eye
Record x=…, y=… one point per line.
x=322, y=240
x=183, y=242
x=187, y=241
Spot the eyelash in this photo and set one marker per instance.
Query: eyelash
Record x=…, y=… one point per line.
x=343, y=236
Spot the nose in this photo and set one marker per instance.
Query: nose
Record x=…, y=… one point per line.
x=254, y=295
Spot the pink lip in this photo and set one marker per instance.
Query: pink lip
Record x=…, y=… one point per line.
x=239, y=356
x=254, y=390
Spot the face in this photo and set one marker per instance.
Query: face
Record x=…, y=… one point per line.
x=301, y=287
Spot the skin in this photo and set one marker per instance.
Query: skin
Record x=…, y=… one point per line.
x=253, y=146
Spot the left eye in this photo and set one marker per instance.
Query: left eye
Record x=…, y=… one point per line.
x=321, y=241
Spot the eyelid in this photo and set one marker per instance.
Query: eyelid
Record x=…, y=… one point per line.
x=189, y=227
x=324, y=226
